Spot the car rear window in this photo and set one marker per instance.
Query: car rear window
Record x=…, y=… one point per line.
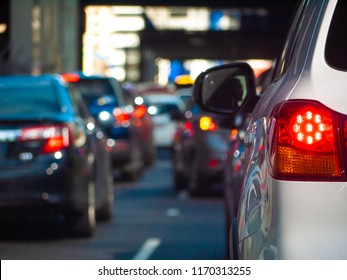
x=162, y=108
x=38, y=99
x=336, y=45
x=93, y=90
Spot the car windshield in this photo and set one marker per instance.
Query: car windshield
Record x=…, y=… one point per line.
x=96, y=91
x=32, y=100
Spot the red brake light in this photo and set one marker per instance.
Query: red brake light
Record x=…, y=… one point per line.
x=139, y=111
x=70, y=77
x=206, y=123
x=305, y=143
x=57, y=137
x=122, y=116
x=188, y=129
x=213, y=163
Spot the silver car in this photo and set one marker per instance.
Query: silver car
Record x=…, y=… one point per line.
x=293, y=202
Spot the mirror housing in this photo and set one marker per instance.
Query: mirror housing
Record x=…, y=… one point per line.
x=226, y=89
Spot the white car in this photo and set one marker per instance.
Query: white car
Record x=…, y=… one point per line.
x=165, y=110
x=293, y=202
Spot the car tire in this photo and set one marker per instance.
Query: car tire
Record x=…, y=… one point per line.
x=132, y=175
x=198, y=185
x=83, y=223
x=105, y=212
x=136, y=162
x=180, y=181
x=150, y=156
x=233, y=240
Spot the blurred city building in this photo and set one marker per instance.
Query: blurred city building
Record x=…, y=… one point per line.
x=137, y=41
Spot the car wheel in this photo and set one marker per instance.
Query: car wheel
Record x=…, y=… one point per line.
x=83, y=223
x=136, y=163
x=233, y=240
x=150, y=156
x=198, y=185
x=132, y=175
x=180, y=181
x=105, y=213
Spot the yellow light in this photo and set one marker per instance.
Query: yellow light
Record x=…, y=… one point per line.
x=233, y=134
x=184, y=80
x=206, y=123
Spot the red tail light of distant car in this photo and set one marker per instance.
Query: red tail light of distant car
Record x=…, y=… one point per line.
x=56, y=137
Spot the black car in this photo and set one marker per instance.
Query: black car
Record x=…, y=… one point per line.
x=199, y=152
x=53, y=159
x=106, y=103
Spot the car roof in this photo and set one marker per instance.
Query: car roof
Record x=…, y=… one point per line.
x=14, y=79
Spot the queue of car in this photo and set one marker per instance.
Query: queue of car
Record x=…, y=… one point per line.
x=287, y=171
x=123, y=125
x=53, y=155
x=63, y=137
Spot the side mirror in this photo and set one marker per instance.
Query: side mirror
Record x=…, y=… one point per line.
x=225, y=89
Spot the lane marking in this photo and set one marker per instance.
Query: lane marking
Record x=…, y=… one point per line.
x=147, y=249
x=172, y=212
x=183, y=195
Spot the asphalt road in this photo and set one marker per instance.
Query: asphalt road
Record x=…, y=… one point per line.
x=151, y=221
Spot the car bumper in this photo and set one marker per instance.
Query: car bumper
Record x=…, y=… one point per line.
x=301, y=220
x=163, y=135
x=59, y=184
x=120, y=151
x=38, y=185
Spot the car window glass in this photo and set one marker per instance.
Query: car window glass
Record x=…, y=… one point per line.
x=96, y=91
x=336, y=45
x=38, y=99
x=284, y=60
x=79, y=105
x=160, y=108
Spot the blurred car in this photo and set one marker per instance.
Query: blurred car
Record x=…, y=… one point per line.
x=184, y=86
x=234, y=163
x=199, y=152
x=144, y=122
x=106, y=103
x=293, y=197
x=166, y=110
x=185, y=94
x=52, y=158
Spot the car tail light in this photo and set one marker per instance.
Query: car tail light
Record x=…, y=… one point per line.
x=122, y=116
x=56, y=137
x=188, y=129
x=206, y=123
x=306, y=142
x=70, y=77
x=213, y=163
x=139, y=111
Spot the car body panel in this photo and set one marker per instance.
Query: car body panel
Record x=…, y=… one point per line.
x=104, y=96
x=294, y=219
x=163, y=109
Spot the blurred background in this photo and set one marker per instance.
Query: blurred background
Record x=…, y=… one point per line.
x=172, y=205
x=138, y=41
